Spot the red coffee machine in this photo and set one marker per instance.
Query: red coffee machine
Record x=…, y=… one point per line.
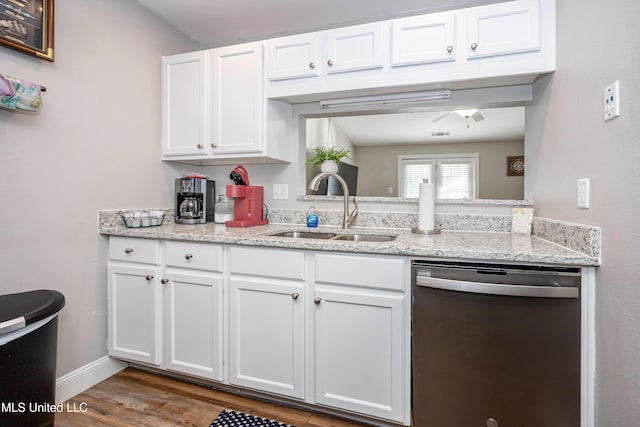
x=248, y=200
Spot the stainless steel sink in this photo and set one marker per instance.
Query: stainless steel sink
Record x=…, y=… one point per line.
x=365, y=237
x=304, y=235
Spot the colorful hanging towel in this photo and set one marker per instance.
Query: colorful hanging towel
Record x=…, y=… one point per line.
x=18, y=94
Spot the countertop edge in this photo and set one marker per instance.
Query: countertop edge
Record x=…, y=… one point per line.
x=406, y=244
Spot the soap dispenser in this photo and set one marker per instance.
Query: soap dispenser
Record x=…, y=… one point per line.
x=312, y=218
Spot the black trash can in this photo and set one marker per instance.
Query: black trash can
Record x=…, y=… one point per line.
x=28, y=349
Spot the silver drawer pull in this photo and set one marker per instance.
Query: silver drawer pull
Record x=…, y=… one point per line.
x=149, y=277
x=188, y=256
x=128, y=250
x=474, y=46
x=295, y=295
x=330, y=63
x=312, y=65
x=164, y=281
x=449, y=48
x=317, y=300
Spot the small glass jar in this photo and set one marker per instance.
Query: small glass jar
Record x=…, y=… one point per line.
x=223, y=210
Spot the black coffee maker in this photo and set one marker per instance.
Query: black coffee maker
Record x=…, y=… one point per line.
x=195, y=198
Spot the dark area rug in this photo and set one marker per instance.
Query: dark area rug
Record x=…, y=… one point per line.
x=229, y=418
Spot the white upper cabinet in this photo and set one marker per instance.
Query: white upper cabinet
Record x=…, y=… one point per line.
x=215, y=111
x=184, y=130
x=508, y=43
x=294, y=57
x=236, y=101
x=329, y=52
x=354, y=48
x=503, y=29
x=423, y=39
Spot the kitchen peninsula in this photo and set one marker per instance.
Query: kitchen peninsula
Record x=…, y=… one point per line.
x=207, y=298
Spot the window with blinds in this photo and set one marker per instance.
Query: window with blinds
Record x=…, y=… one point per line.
x=453, y=174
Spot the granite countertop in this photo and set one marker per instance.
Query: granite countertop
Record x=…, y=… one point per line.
x=468, y=245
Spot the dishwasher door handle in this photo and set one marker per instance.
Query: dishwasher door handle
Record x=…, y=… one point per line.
x=497, y=288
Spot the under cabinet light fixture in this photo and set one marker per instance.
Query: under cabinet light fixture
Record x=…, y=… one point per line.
x=382, y=100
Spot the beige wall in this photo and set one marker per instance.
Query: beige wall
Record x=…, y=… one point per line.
x=93, y=145
x=596, y=45
x=381, y=169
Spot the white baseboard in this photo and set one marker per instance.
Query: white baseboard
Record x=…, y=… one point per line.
x=86, y=377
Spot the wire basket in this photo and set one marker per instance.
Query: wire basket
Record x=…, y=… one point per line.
x=143, y=218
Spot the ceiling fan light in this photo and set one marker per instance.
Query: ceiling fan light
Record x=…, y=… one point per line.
x=466, y=113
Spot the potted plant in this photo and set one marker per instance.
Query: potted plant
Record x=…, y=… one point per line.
x=327, y=158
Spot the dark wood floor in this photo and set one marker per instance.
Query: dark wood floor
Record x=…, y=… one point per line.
x=137, y=398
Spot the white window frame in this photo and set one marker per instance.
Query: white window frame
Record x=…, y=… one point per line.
x=437, y=160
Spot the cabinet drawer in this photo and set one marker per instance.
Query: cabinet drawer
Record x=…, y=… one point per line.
x=361, y=270
x=281, y=263
x=199, y=256
x=134, y=250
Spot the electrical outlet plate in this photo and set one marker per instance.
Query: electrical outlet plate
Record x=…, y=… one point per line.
x=611, y=99
x=280, y=191
x=583, y=193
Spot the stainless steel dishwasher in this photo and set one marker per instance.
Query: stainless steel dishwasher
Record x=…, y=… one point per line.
x=495, y=345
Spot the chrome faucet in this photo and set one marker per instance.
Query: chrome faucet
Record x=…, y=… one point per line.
x=347, y=218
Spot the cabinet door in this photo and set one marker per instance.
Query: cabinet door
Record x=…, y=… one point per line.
x=194, y=324
x=184, y=128
x=423, y=39
x=267, y=335
x=134, y=326
x=503, y=29
x=359, y=352
x=237, y=104
x=294, y=57
x=354, y=48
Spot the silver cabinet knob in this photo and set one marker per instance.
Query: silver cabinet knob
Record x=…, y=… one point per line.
x=449, y=48
x=200, y=146
x=317, y=300
x=128, y=250
x=474, y=46
x=164, y=281
x=295, y=295
x=188, y=256
x=312, y=65
x=330, y=63
x=149, y=277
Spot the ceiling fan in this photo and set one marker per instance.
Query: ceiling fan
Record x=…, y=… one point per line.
x=465, y=114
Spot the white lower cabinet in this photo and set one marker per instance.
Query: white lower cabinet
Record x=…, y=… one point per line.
x=134, y=300
x=359, y=352
x=267, y=335
x=165, y=304
x=324, y=328
x=194, y=324
x=134, y=328
x=361, y=334
x=266, y=319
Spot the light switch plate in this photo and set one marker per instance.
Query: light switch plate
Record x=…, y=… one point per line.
x=611, y=100
x=280, y=191
x=583, y=193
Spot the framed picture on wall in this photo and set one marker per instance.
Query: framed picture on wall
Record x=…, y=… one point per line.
x=27, y=26
x=515, y=165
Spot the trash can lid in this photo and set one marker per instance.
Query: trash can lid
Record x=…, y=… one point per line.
x=28, y=307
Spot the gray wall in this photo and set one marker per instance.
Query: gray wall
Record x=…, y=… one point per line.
x=93, y=145
x=381, y=169
x=596, y=45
